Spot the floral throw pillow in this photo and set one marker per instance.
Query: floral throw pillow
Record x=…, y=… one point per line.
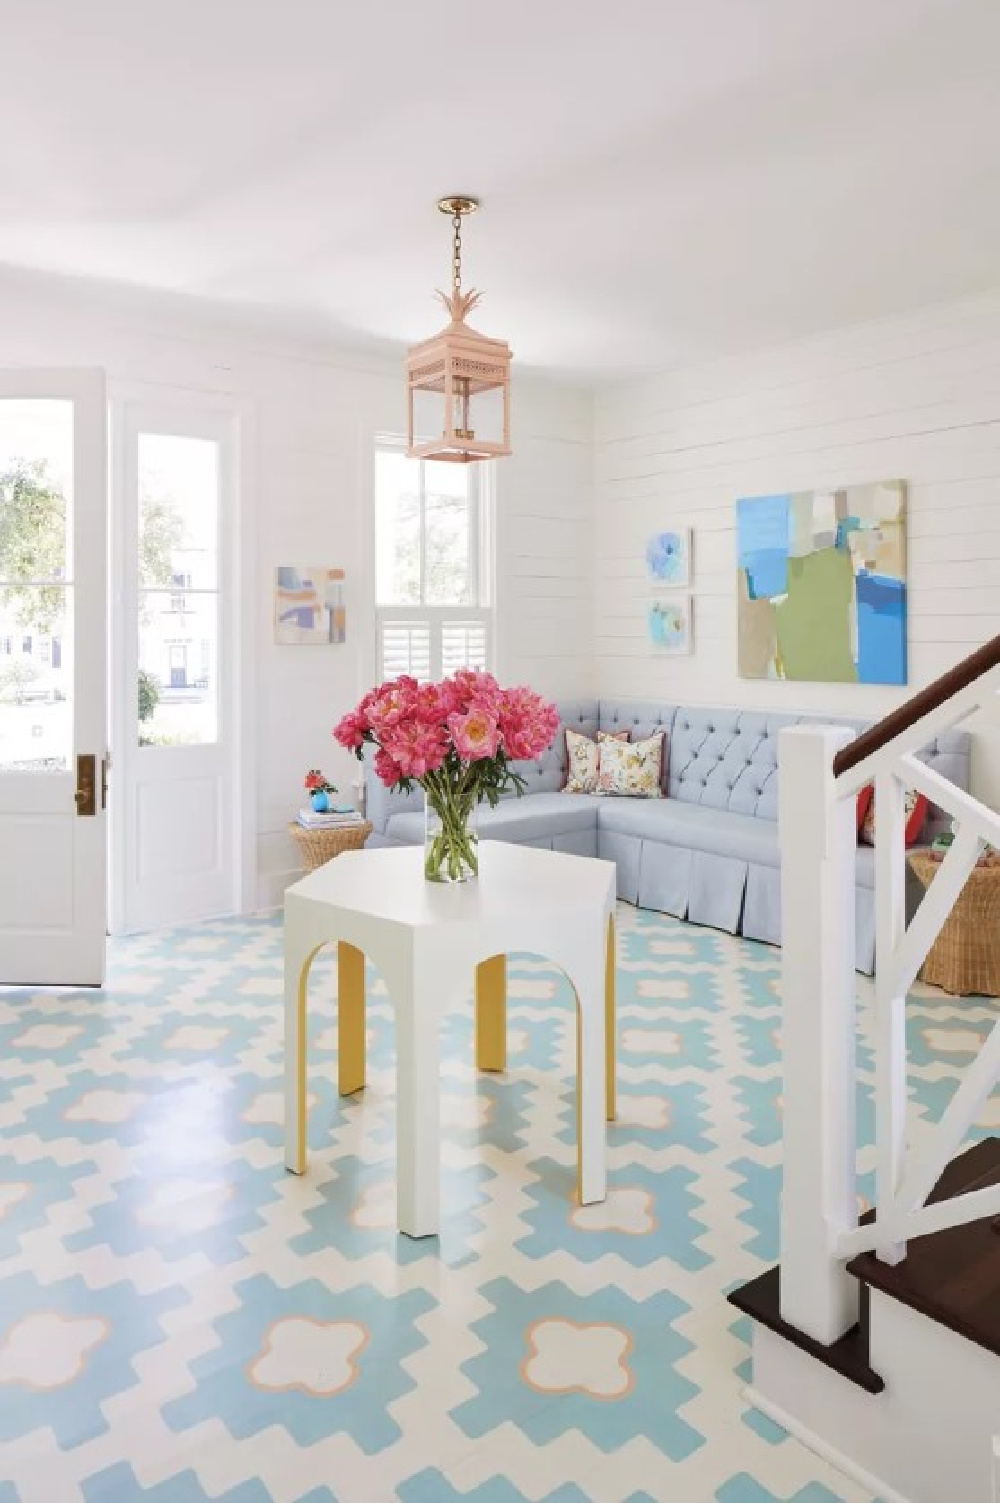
x=633, y=769
x=585, y=759
x=917, y=808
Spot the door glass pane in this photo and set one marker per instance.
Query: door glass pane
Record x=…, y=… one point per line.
x=36, y=681
x=178, y=512
x=36, y=495
x=178, y=668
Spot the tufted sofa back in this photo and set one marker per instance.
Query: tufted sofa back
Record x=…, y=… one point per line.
x=723, y=758
x=727, y=758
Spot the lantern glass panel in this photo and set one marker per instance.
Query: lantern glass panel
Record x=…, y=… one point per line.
x=428, y=414
x=486, y=415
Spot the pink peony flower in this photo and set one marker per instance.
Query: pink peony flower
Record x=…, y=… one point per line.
x=386, y=769
x=471, y=686
x=527, y=722
x=392, y=703
x=416, y=747
x=350, y=731
x=475, y=733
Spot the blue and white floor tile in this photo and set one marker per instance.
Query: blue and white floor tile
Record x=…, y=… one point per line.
x=181, y=1320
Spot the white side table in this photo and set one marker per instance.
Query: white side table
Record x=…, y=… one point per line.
x=427, y=940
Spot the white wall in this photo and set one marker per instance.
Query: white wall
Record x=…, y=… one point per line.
x=916, y=398
x=309, y=420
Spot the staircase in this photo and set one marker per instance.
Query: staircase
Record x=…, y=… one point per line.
x=876, y=1339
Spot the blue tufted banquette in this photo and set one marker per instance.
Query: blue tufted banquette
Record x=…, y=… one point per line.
x=709, y=852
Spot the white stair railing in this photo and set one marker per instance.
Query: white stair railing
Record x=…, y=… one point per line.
x=817, y=830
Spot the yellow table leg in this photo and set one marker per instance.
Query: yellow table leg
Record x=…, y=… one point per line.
x=610, y=1023
x=491, y=1014
x=350, y=1019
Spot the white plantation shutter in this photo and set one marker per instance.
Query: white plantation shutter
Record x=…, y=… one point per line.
x=404, y=647
x=464, y=644
x=432, y=642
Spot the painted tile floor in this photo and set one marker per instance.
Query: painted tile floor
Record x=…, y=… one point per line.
x=181, y=1320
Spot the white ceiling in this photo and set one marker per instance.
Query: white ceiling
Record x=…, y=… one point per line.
x=662, y=179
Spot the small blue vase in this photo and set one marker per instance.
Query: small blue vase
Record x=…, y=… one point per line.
x=320, y=801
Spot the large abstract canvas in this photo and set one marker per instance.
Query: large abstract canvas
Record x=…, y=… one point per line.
x=822, y=585
x=309, y=605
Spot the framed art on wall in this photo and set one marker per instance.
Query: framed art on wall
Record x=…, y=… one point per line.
x=309, y=607
x=668, y=558
x=669, y=623
x=822, y=585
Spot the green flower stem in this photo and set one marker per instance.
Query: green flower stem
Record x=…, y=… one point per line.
x=454, y=847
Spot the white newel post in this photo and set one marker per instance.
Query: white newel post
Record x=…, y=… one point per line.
x=818, y=842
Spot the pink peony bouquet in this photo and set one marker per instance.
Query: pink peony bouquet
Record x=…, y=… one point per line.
x=458, y=740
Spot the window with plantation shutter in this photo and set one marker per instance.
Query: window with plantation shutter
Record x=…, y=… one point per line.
x=433, y=565
x=464, y=644
x=404, y=647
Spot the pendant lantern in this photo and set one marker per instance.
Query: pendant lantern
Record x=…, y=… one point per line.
x=458, y=382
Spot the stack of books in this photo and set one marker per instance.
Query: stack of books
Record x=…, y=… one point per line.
x=332, y=819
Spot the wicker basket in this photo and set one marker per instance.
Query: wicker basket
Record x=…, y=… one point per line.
x=965, y=957
x=320, y=846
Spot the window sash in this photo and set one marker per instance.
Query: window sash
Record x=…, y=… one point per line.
x=478, y=573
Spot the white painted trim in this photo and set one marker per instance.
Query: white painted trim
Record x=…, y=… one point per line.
x=818, y=838
x=822, y=1448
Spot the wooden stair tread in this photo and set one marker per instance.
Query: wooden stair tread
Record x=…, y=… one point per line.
x=760, y=1299
x=951, y=1276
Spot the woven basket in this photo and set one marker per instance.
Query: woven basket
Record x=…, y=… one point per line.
x=320, y=846
x=965, y=957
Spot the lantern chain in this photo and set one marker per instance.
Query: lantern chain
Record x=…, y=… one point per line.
x=456, y=255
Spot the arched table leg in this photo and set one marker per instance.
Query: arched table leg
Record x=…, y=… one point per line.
x=491, y=1014
x=350, y=1019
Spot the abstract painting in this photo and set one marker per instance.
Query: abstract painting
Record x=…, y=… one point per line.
x=668, y=557
x=309, y=607
x=670, y=625
x=822, y=585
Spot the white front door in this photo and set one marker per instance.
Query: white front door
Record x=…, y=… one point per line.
x=174, y=812
x=53, y=677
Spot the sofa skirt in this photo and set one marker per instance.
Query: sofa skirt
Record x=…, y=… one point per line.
x=722, y=892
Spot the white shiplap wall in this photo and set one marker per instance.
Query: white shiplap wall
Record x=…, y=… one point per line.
x=312, y=413
x=915, y=398
x=544, y=544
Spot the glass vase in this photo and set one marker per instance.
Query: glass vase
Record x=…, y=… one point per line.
x=451, y=837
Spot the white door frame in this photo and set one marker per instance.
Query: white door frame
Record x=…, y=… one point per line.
x=135, y=407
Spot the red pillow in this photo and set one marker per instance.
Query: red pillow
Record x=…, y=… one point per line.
x=864, y=801
x=916, y=816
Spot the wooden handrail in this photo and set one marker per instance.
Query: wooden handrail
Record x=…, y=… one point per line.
x=960, y=677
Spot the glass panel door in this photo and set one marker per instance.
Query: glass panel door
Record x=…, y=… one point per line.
x=53, y=676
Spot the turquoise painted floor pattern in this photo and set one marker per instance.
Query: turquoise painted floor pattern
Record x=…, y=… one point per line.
x=181, y=1320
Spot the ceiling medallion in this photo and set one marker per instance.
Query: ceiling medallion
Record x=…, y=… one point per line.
x=458, y=382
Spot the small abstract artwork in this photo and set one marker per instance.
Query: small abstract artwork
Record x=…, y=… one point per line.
x=668, y=558
x=822, y=585
x=309, y=606
x=670, y=625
